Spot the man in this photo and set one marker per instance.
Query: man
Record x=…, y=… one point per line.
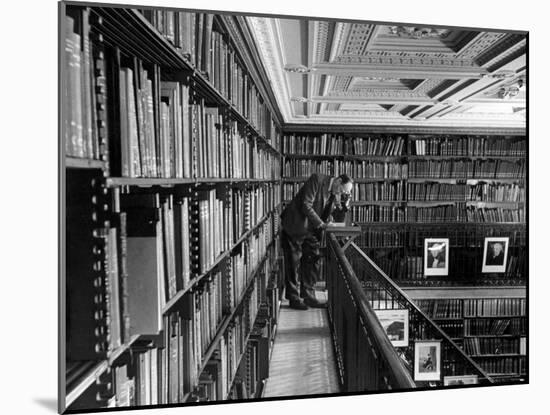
x=496, y=257
x=303, y=222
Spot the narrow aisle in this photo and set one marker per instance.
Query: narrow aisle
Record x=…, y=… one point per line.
x=303, y=358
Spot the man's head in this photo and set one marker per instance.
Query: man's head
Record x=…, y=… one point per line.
x=497, y=248
x=436, y=249
x=342, y=187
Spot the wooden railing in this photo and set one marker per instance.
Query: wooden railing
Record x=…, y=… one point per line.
x=367, y=360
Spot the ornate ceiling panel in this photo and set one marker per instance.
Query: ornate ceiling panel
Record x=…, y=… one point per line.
x=361, y=73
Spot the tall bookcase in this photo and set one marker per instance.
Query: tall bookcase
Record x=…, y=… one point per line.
x=173, y=194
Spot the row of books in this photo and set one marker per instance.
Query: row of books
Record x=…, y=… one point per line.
x=448, y=308
x=331, y=144
x=375, y=238
x=192, y=140
x=467, y=146
x=496, y=326
x=453, y=329
x=503, y=365
x=436, y=214
x=484, y=346
x=461, y=213
x=496, y=215
x=355, y=169
x=199, y=40
x=375, y=213
x=379, y=191
x=468, y=169
x=84, y=92
x=334, y=144
x=494, y=307
x=484, y=192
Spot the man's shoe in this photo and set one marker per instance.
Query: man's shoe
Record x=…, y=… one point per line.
x=297, y=305
x=314, y=303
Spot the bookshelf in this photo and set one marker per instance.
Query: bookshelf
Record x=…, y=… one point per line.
x=427, y=178
x=411, y=186
x=173, y=195
x=492, y=331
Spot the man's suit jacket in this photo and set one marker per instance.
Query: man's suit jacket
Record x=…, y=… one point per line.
x=302, y=214
x=495, y=260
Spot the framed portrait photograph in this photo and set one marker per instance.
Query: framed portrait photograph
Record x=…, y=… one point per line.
x=396, y=325
x=436, y=256
x=460, y=380
x=495, y=254
x=427, y=360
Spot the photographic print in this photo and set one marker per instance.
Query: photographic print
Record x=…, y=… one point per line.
x=427, y=360
x=396, y=324
x=460, y=380
x=202, y=157
x=495, y=254
x=436, y=256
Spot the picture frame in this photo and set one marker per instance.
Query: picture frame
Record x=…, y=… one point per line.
x=436, y=256
x=460, y=380
x=495, y=254
x=396, y=325
x=427, y=360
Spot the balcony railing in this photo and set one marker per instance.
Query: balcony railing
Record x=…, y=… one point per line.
x=367, y=358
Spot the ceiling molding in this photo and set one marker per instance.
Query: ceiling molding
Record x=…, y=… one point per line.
x=270, y=48
x=355, y=73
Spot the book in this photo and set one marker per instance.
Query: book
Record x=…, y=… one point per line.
x=146, y=279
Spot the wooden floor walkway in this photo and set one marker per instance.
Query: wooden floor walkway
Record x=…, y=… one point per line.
x=303, y=360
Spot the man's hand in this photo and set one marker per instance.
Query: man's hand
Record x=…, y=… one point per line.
x=322, y=226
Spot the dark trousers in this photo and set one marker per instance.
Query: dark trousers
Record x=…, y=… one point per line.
x=302, y=265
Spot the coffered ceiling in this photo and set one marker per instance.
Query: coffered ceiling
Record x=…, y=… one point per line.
x=326, y=72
